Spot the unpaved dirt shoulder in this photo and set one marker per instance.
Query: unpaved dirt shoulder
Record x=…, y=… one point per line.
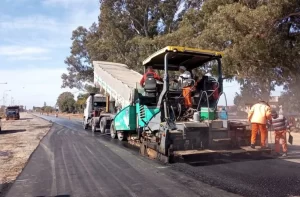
x=18, y=140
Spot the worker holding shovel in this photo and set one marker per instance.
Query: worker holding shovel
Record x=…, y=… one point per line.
x=280, y=125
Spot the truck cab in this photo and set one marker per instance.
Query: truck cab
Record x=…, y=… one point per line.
x=12, y=112
x=97, y=110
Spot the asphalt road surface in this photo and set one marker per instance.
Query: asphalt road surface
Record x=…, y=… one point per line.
x=73, y=162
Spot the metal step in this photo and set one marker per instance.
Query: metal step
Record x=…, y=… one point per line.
x=220, y=143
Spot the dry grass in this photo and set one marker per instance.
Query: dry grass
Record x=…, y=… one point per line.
x=18, y=139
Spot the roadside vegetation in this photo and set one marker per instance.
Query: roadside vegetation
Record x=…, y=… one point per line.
x=260, y=39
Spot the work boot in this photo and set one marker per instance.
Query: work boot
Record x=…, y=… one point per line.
x=252, y=146
x=284, y=155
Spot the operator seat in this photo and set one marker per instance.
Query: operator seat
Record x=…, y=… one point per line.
x=150, y=86
x=150, y=89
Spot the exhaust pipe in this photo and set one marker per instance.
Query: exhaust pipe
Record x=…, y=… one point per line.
x=92, y=95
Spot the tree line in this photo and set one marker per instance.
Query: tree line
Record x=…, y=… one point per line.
x=67, y=103
x=260, y=39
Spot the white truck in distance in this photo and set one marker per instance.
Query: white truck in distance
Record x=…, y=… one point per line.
x=98, y=113
x=94, y=103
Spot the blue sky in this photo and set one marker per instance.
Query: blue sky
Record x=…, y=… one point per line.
x=34, y=41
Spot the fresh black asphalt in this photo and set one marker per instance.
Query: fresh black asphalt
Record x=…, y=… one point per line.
x=73, y=162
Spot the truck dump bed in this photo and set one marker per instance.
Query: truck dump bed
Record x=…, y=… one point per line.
x=117, y=80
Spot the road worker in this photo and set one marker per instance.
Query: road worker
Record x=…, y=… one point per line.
x=280, y=125
x=150, y=71
x=258, y=116
x=183, y=80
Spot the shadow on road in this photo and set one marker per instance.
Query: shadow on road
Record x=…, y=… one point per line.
x=57, y=196
x=3, y=132
x=216, y=159
x=4, y=188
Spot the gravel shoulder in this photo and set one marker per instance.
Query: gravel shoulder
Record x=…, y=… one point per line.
x=18, y=140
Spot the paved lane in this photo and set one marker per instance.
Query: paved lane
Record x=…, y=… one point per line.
x=245, y=176
x=72, y=162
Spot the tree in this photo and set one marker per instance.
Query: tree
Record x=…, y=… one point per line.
x=47, y=109
x=290, y=97
x=78, y=62
x=255, y=37
x=122, y=24
x=81, y=99
x=66, y=102
x=260, y=38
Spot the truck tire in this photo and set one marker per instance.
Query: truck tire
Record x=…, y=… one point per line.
x=103, y=123
x=94, y=128
x=113, y=132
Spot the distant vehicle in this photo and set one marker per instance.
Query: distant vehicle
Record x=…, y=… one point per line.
x=12, y=113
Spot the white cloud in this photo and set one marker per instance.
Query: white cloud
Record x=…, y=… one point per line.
x=70, y=3
x=37, y=22
x=29, y=58
x=21, y=51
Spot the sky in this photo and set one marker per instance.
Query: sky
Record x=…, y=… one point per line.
x=34, y=42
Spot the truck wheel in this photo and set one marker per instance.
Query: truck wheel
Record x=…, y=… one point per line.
x=94, y=128
x=103, y=123
x=85, y=126
x=113, y=132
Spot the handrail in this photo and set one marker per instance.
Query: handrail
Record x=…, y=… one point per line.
x=208, y=96
x=201, y=99
x=219, y=99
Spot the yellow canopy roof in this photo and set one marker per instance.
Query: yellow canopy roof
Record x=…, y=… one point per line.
x=181, y=56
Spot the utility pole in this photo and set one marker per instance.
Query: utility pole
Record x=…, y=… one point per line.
x=4, y=96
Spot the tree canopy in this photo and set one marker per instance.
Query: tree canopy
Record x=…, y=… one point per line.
x=66, y=102
x=260, y=38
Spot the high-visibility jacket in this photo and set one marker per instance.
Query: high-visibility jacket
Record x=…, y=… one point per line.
x=259, y=113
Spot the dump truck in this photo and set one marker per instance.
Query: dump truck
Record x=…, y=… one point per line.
x=155, y=118
x=12, y=113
